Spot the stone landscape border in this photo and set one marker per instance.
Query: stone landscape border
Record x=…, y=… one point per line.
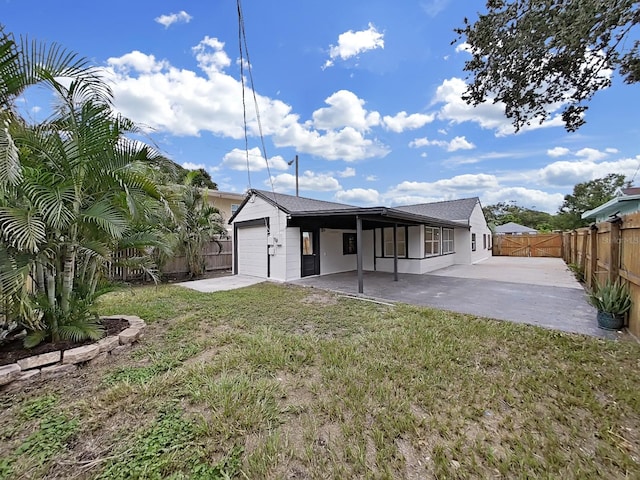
x=53, y=364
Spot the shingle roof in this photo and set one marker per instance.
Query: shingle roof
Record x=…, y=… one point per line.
x=512, y=227
x=292, y=204
x=453, y=210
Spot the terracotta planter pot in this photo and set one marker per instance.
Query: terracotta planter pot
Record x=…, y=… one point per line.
x=610, y=321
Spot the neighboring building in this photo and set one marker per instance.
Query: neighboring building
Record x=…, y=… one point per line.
x=627, y=201
x=283, y=237
x=226, y=202
x=512, y=228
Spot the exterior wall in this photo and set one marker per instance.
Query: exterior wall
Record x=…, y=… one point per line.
x=223, y=201
x=292, y=253
x=284, y=246
x=331, y=258
x=624, y=208
x=479, y=226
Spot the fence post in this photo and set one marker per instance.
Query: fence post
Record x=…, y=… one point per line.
x=574, y=247
x=593, y=277
x=583, y=260
x=614, y=242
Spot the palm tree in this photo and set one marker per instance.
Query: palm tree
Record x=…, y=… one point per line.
x=73, y=189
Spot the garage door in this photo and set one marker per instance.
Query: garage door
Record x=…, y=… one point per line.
x=252, y=251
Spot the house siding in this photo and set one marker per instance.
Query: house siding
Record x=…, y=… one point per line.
x=478, y=225
x=331, y=258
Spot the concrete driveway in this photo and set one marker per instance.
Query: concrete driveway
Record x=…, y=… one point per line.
x=537, y=291
x=221, y=283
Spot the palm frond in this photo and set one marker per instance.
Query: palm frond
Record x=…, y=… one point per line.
x=22, y=228
x=107, y=217
x=10, y=168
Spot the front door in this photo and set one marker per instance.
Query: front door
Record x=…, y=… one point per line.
x=310, y=247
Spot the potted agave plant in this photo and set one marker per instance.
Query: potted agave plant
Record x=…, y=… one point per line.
x=612, y=300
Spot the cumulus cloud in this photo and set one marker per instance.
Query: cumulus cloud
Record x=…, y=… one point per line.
x=568, y=173
x=558, y=152
x=460, y=143
x=168, y=20
x=317, y=182
x=183, y=102
x=351, y=44
x=463, y=47
x=488, y=115
x=402, y=121
x=591, y=154
x=345, y=110
x=444, y=189
x=236, y=159
x=524, y=197
x=360, y=196
x=371, y=178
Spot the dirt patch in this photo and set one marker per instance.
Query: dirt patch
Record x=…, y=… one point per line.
x=14, y=350
x=320, y=298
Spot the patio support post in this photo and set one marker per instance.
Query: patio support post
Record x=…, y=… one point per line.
x=359, y=254
x=395, y=252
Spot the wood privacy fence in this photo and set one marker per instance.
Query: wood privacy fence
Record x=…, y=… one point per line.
x=217, y=256
x=537, y=245
x=609, y=251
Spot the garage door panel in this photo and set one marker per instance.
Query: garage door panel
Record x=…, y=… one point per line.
x=252, y=251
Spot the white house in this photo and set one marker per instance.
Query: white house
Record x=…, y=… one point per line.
x=513, y=228
x=283, y=237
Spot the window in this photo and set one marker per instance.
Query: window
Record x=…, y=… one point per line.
x=234, y=208
x=349, y=244
x=484, y=241
x=388, y=242
x=473, y=242
x=447, y=240
x=307, y=243
x=431, y=241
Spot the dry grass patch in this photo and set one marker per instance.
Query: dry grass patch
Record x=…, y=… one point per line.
x=275, y=381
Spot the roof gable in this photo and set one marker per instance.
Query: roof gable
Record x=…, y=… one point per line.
x=512, y=227
x=293, y=204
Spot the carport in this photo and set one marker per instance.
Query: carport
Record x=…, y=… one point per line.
x=540, y=291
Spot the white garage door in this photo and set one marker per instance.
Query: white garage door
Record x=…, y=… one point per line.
x=252, y=251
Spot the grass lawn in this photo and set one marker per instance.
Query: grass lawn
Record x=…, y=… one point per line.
x=276, y=381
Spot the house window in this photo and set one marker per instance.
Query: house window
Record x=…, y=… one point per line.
x=447, y=240
x=431, y=241
x=349, y=245
x=388, y=242
x=484, y=241
x=307, y=243
x=473, y=242
x=234, y=208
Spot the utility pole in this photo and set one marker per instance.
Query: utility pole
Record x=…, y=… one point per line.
x=291, y=162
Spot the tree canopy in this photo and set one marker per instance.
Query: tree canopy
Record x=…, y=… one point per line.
x=537, y=55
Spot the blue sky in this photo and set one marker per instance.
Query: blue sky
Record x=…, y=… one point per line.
x=366, y=92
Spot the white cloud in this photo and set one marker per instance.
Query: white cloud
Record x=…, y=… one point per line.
x=193, y=166
x=591, y=154
x=351, y=44
x=558, y=152
x=401, y=121
x=458, y=143
x=371, y=178
x=361, y=196
x=347, y=172
x=463, y=47
x=345, y=110
x=444, y=189
x=168, y=20
x=183, y=102
x=317, y=182
x=488, y=115
x=236, y=159
x=568, y=173
x=524, y=197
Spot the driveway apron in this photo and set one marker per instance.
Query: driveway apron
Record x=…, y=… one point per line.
x=555, y=307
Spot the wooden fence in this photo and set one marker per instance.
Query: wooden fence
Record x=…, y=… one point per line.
x=609, y=251
x=537, y=245
x=217, y=256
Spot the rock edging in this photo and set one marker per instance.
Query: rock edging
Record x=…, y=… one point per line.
x=53, y=364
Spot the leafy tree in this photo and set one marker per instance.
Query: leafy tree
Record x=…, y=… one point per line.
x=534, y=55
x=587, y=196
x=504, y=212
